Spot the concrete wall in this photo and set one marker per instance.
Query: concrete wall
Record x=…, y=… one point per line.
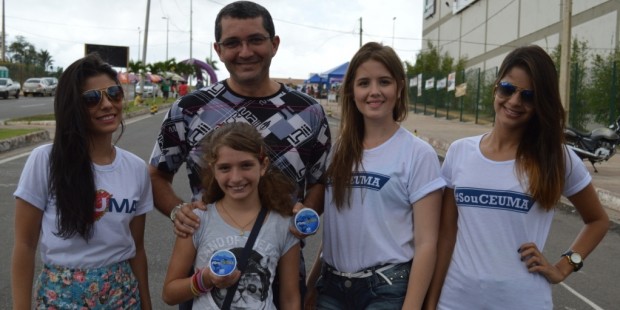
x=487, y=30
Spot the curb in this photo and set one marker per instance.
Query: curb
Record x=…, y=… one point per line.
x=25, y=140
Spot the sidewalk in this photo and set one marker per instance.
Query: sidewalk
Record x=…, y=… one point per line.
x=440, y=132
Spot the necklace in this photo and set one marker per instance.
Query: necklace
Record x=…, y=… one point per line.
x=241, y=227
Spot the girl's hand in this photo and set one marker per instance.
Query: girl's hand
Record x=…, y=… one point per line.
x=296, y=208
x=535, y=262
x=219, y=281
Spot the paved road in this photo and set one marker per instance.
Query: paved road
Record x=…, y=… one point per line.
x=25, y=106
x=595, y=287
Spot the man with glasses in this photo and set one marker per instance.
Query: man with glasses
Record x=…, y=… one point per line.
x=293, y=125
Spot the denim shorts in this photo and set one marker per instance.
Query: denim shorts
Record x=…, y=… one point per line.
x=381, y=290
x=109, y=287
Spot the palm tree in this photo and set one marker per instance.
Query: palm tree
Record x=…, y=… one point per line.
x=45, y=59
x=212, y=63
x=136, y=67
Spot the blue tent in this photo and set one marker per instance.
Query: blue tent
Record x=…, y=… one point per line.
x=335, y=75
x=314, y=79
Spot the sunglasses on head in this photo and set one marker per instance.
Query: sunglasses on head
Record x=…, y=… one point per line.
x=506, y=90
x=94, y=96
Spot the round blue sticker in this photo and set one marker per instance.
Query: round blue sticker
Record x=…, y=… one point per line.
x=307, y=221
x=223, y=262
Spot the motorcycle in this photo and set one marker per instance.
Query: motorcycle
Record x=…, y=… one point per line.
x=597, y=145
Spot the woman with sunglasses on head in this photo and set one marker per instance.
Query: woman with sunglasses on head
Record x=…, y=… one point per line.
x=494, y=225
x=85, y=201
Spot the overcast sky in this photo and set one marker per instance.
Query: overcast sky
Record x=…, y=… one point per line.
x=315, y=35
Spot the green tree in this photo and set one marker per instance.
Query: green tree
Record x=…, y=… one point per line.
x=213, y=63
x=136, y=67
x=44, y=59
x=578, y=111
x=22, y=51
x=603, y=94
x=427, y=61
x=184, y=69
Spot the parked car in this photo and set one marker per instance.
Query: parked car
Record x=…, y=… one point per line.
x=150, y=90
x=53, y=83
x=37, y=86
x=8, y=87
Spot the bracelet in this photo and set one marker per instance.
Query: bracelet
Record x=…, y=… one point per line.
x=201, y=283
x=197, y=286
x=173, y=213
x=192, y=286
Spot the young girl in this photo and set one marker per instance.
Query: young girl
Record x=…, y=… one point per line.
x=383, y=196
x=87, y=201
x=237, y=184
x=494, y=226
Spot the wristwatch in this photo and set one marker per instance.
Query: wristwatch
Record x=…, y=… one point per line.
x=574, y=259
x=173, y=213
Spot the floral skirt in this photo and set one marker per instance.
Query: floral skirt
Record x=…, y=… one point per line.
x=109, y=287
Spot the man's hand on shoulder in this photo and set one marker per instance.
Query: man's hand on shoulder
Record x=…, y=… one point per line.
x=185, y=220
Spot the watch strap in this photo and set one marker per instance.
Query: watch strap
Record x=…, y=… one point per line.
x=576, y=266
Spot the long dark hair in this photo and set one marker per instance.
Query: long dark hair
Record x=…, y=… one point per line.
x=348, y=150
x=540, y=155
x=72, y=179
x=274, y=188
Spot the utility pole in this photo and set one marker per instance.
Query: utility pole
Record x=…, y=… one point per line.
x=167, y=31
x=191, y=13
x=361, y=32
x=565, y=44
x=139, y=38
x=146, y=37
x=3, y=34
x=393, y=27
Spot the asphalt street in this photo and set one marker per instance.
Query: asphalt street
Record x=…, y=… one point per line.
x=594, y=287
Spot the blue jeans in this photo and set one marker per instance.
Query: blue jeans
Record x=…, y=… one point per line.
x=373, y=292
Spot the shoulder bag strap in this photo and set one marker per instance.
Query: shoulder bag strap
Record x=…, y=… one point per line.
x=242, y=261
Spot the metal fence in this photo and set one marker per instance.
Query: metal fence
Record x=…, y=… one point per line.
x=469, y=100
x=594, y=95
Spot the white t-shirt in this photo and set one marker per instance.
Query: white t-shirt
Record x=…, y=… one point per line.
x=273, y=241
x=495, y=217
x=123, y=192
x=377, y=227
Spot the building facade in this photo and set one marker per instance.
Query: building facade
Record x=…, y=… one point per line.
x=484, y=31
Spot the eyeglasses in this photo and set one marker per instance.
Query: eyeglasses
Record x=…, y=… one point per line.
x=506, y=90
x=93, y=97
x=234, y=43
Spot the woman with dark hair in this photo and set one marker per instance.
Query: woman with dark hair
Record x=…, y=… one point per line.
x=87, y=201
x=383, y=195
x=494, y=226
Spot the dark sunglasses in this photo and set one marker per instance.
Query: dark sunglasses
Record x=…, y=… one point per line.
x=93, y=97
x=506, y=90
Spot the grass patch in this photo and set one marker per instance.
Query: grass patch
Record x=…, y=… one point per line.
x=7, y=133
x=41, y=117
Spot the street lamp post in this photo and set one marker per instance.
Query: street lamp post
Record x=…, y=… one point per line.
x=167, y=27
x=138, y=59
x=393, y=27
